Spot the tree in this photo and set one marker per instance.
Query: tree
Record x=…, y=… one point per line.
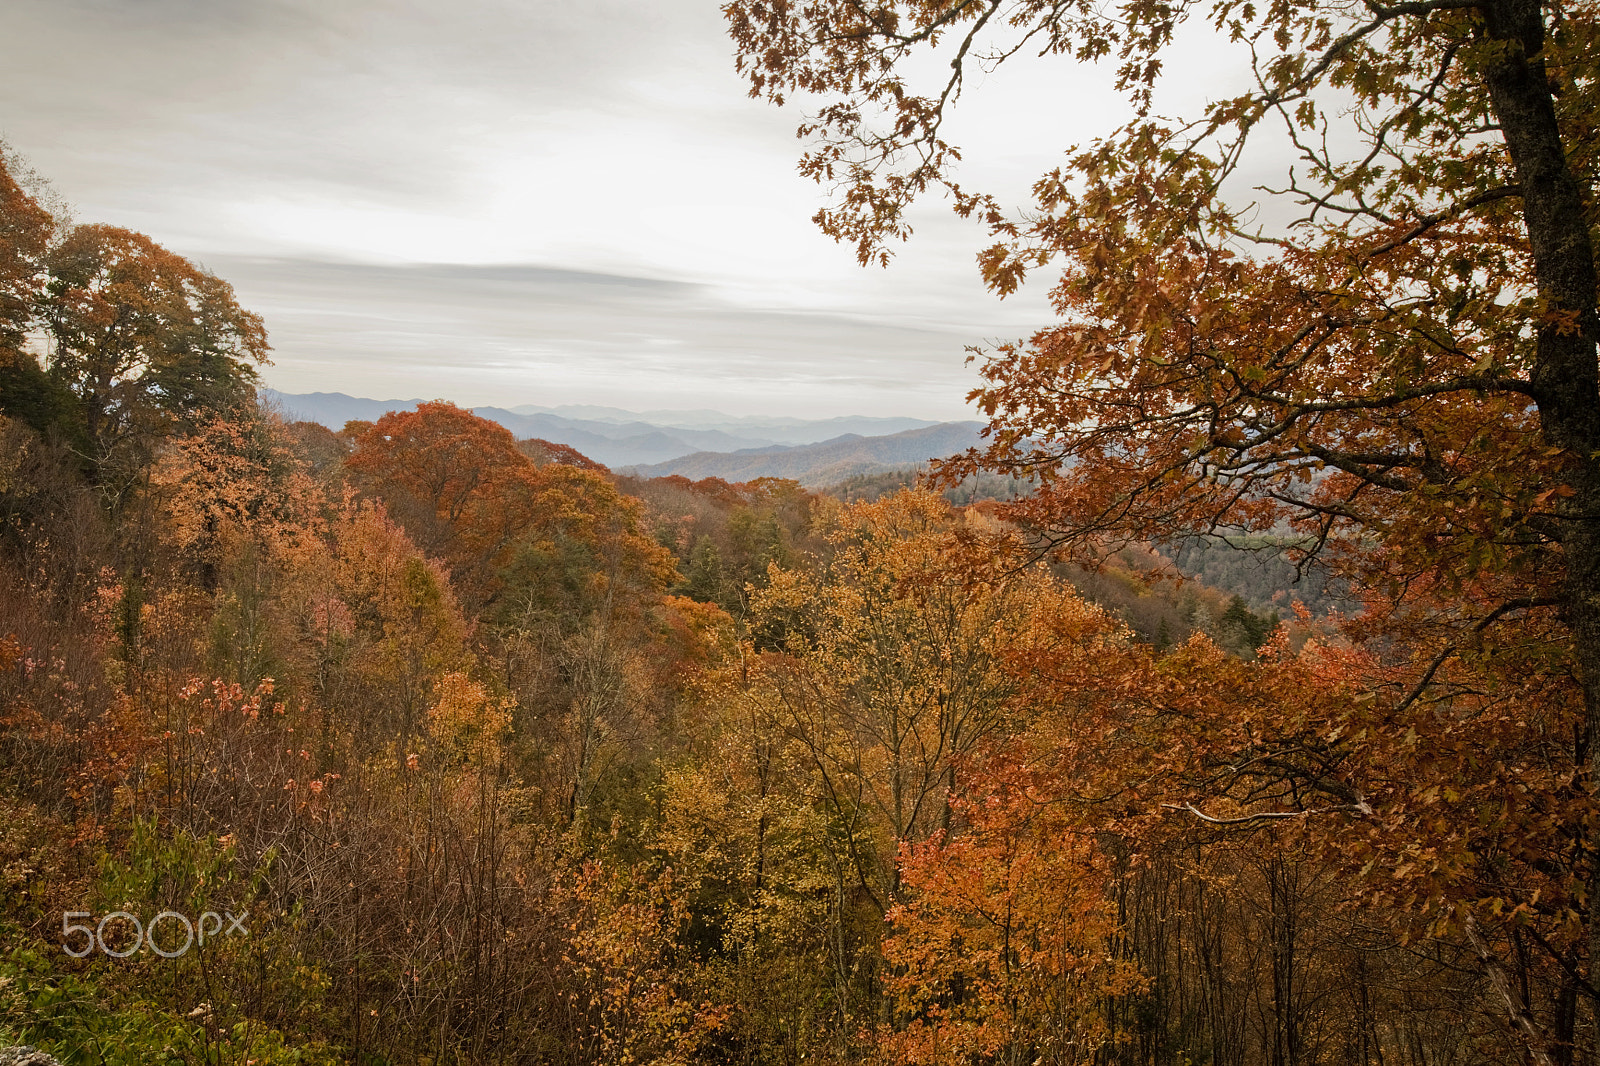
x=25, y=229
x=1405, y=371
x=141, y=336
x=706, y=581
x=892, y=675
x=27, y=393
x=1002, y=953
x=1375, y=367
x=230, y=482
x=511, y=529
x=440, y=462
x=377, y=625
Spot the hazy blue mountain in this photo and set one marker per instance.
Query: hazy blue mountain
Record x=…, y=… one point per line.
x=826, y=463
x=780, y=429
x=333, y=409
x=611, y=435
x=616, y=443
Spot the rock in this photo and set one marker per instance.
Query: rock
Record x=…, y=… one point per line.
x=26, y=1056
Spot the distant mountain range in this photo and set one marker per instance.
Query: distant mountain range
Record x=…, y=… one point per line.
x=828, y=462
x=654, y=439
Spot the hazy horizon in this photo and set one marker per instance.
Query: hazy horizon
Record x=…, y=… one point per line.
x=685, y=416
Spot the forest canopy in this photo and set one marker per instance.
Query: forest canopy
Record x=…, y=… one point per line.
x=509, y=758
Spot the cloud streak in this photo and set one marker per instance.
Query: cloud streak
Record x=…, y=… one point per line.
x=505, y=335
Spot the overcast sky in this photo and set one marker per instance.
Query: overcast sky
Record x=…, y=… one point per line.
x=517, y=201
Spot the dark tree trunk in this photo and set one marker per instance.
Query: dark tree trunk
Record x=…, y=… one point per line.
x=1566, y=375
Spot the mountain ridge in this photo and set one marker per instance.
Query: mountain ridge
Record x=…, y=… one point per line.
x=826, y=462
x=615, y=440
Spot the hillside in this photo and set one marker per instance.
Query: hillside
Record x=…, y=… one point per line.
x=827, y=463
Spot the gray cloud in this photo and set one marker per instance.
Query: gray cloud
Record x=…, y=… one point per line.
x=323, y=155
x=321, y=92
x=507, y=335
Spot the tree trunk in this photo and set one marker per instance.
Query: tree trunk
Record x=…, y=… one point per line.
x=1566, y=375
x=1521, y=1019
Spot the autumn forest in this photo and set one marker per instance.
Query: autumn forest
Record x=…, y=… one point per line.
x=1237, y=703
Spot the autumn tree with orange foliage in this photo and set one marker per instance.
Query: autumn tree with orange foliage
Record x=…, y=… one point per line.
x=555, y=559
x=1003, y=951
x=228, y=484
x=443, y=465
x=1208, y=779
x=465, y=491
